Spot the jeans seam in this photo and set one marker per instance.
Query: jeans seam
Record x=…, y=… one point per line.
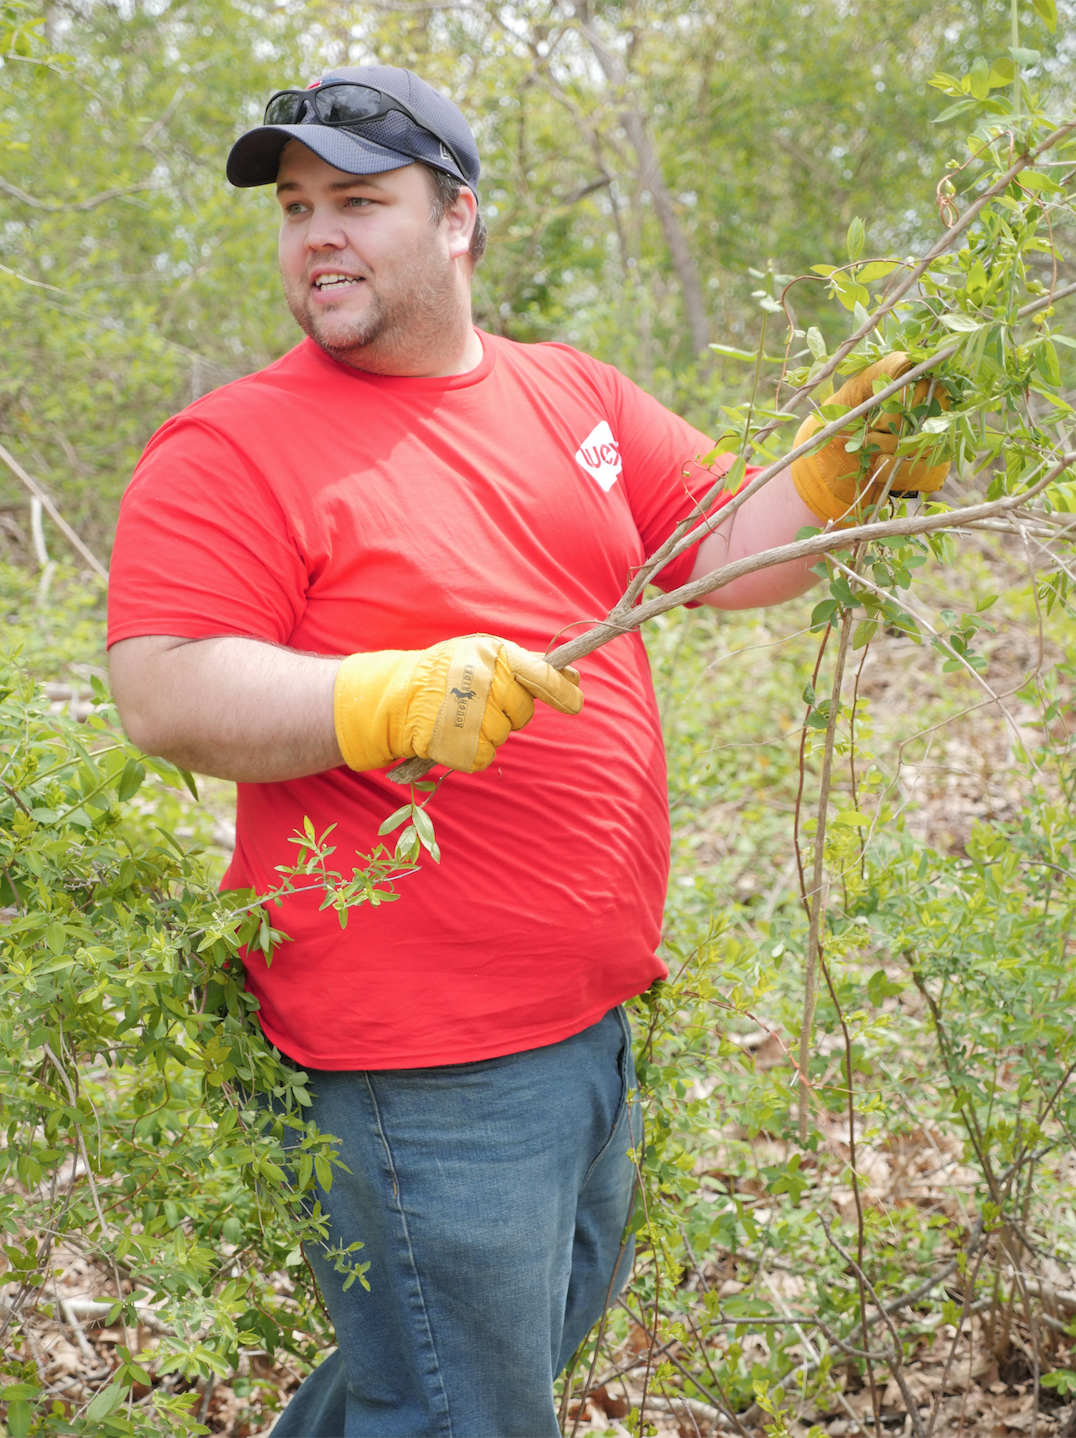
x=410, y=1253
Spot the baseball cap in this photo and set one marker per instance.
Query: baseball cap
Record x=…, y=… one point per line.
x=371, y=146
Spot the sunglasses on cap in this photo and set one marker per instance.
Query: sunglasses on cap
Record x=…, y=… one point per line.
x=345, y=104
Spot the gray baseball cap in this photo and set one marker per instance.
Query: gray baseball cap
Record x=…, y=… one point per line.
x=357, y=130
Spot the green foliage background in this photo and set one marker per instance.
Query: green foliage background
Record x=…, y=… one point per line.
x=775, y=124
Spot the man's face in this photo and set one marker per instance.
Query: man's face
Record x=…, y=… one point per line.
x=367, y=273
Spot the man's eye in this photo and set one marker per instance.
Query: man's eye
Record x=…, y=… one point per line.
x=358, y=201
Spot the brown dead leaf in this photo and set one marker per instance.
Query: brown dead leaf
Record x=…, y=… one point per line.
x=612, y=1407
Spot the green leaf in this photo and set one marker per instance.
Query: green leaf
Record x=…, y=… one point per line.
x=1002, y=72
x=949, y=83
x=106, y=1402
x=407, y=845
x=1061, y=1379
x=864, y=633
x=395, y=819
x=424, y=828
x=953, y=110
x=823, y=613
x=20, y=1417
x=857, y=238
x=56, y=937
x=880, y=987
x=735, y=476
x=815, y=343
x=978, y=79
x=188, y=779
x=849, y=292
x=1036, y=180
x=876, y=270
x=1026, y=58
x=976, y=282
x=1046, y=362
x=1046, y=10
x=130, y=780
x=852, y=819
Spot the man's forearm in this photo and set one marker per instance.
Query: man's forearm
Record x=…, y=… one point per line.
x=770, y=518
x=232, y=707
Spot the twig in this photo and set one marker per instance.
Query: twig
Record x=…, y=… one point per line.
x=670, y=1358
x=897, y=1359
x=917, y=612
x=55, y=206
x=53, y=513
x=58, y=1066
x=817, y=896
x=812, y=1352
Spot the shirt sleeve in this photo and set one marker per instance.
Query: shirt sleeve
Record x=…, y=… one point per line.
x=202, y=546
x=665, y=482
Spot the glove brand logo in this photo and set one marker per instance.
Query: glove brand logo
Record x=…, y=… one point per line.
x=463, y=696
x=599, y=454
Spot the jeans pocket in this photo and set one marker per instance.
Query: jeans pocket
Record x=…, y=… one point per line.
x=621, y=1124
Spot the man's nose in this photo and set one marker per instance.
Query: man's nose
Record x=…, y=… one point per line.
x=325, y=232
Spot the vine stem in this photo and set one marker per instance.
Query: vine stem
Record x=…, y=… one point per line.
x=818, y=893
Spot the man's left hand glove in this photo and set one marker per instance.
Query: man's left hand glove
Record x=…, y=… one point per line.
x=830, y=483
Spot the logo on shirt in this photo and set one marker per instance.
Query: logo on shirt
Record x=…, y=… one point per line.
x=599, y=454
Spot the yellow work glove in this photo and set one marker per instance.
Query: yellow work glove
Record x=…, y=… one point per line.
x=454, y=703
x=830, y=483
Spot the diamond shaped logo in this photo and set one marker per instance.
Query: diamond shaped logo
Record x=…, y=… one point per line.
x=599, y=455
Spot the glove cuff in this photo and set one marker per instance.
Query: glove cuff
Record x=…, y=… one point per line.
x=368, y=700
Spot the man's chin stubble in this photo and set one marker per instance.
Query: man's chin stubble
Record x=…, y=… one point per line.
x=349, y=339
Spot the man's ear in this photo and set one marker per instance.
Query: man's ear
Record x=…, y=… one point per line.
x=460, y=217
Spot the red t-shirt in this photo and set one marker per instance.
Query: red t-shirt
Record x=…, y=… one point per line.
x=335, y=511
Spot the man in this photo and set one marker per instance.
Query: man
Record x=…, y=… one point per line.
x=297, y=559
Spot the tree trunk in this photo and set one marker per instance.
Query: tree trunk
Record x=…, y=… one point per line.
x=651, y=177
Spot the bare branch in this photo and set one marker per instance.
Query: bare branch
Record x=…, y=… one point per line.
x=623, y=621
x=54, y=206
x=54, y=514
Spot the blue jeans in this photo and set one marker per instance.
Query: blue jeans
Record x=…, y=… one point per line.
x=491, y=1199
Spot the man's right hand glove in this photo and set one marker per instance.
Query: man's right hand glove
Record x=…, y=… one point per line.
x=830, y=483
x=454, y=703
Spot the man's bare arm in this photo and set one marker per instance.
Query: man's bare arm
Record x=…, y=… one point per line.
x=233, y=707
x=769, y=518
